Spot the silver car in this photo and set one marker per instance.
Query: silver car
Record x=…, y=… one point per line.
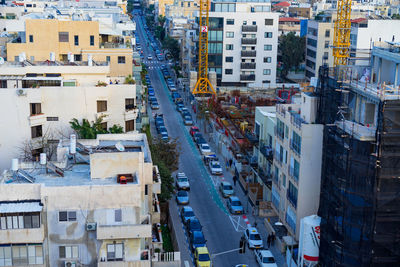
x=226, y=189
x=182, y=197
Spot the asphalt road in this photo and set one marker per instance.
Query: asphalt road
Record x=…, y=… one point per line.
x=222, y=230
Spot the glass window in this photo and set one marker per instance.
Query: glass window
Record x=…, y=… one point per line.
x=121, y=60
x=230, y=34
x=326, y=44
x=267, y=59
x=267, y=47
x=229, y=71
x=63, y=37
x=5, y=256
x=31, y=38
x=101, y=106
x=92, y=40
x=229, y=47
x=230, y=21
x=118, y=215
x=228, y=59
x=36, y=131
x=129, y=125
x=327, y=33
x=72, y=216
x=267, y=34
x=269, y=22
x=76, y=39
x=267, y=71
x=115, y=252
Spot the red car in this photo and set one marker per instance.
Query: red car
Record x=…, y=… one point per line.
x=194, y=130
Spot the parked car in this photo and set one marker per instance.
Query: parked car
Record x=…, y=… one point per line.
x=197, y=240
x=149, y=57
x=202, y=257
x=151, y=93
x=182, y=182
x=234, y=205
x=187, y=213
x=253, y=238
x=193, y=130
x=193, y=225
x=154, y=105
x=164, y=136
x=184, y=109
x=200, y=140
x=187, y=120
x=265, y=258
x=161, y=129
x=205, y=149
x=215, y=167
x=179, y=106
x=182, y=197
x=226, y=189
x=152, y=99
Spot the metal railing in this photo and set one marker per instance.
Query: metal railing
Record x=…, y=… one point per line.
x=249, y=28
x=249, y=41
x=248, y=53
x=247, y=66
x=244, y=77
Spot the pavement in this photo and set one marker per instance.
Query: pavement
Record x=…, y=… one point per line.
x=221, y=229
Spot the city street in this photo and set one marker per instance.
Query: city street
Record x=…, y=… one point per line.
x=222, y=230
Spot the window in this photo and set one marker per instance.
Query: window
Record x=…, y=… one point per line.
x=108, y=58
x=13, y=255
x=230, y=22
x=296, y=142
x=230, y=34
x=269, y=22
x=118, y=215
x=228, y=71
x=121, y=60
x=92, y=40
x=63, y=37
x=36, y=108
x=327, y=33
x=52, y=118
x=31, y=38
x=35, y=254
x=115, y=252
x=267, y=71
x=292, y=194
x=267, y=34
x=36, y=131
x=326, y=44
x=284, y=180
x=229, y=47
x=3, y=83
x=244, y=22
x=267, y=47
x=19, y=255
x=77, y=57
x=267, y=59
x=68, y=252
x=129, y=125
x=254, y=23
x=228, y=59
x=312, y=42
x=326, y=55
x=76, y=39
x=20, y=221
x=129, y=103
x=101, y=106
x=64, y=216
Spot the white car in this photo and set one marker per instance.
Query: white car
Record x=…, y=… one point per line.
x=265, y=258
x=205, y=149
x=215, y=167
x=182, y=182
x=253, y=238
x=149, y=57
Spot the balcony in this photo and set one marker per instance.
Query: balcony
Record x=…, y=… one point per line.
x=296, y=120
x=156, y=181
x=141, y=263
x=114, y=45
x=27, y=235
x=131, y=114
x=291, y=199
x=250, y=78
x=249, y=41
x=249, y=28
x=292, y=173
x=247, y=66
x=38, y=119
x=248, y=53
x=296, y=147
x=123, y=231
x=266, y=151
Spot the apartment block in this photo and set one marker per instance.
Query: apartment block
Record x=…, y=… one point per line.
x=41, y=98
x=92, y=206
x=182, y=8
x=297, y=161
x=359, y=202
x=246, y=33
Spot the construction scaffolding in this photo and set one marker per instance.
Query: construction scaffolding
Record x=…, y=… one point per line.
x=360, y=182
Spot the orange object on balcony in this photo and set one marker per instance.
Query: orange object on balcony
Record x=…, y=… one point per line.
x=122, y=180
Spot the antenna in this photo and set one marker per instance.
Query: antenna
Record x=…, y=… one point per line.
x=120, y=147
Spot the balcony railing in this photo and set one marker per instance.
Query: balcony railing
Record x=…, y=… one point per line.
x=244, y=77
x=25, y=235
x=296, y=120
x=248, y=53
x=266, y=151
x=249, y=28
x=249, y=41
x=291, y=199
x=123, y=231
x=247, y=66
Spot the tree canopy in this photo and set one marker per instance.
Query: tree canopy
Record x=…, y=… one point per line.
x=88, y=130
x=292, y=49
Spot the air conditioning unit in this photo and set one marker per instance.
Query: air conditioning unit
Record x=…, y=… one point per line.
x=21, y=92
x=91, y=226
x=69, y=264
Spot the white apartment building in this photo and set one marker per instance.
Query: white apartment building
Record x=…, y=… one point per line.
x=244, y=32
x=78, y=210
x=41, y=98
x=297, y=161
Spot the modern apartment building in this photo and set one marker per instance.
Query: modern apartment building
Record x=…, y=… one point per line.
x=297, y=161
x=246, y=33
x=41, y=98
x=94, y=205
x=359, y=203
x=72, y=41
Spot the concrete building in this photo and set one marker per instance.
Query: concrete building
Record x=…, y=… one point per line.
x=72, y=41
x=78, y=210
x=41, y=99
x=265, y=122
x=182, y=8
x=246, y=33
x=287, y=25
x=297, y=161
x=161, y=4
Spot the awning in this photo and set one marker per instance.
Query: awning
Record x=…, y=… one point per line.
x=41, y=78
x=20, y=207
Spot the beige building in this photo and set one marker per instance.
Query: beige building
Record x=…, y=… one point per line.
x=161, y=6
x=75, y=211
x=72, y=41
x=182, y=8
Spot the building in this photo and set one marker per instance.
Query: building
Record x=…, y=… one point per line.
x=73, y=41
x=162, y=6
x=245, y=32
x=265, y=122
x=301, y=10
x=287, y=24
x=182, y=8
x=297, y=161
x=41, y=99
x=359, y=203
x=94, y=205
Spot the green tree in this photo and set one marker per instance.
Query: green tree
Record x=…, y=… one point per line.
x=173, y=47
x=396, y=16
x=88, y=130
x=116, y=129
x=292, y=49
x=161, y=20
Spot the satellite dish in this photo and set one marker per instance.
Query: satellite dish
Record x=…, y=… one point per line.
x=1, y=61
x=120, y=147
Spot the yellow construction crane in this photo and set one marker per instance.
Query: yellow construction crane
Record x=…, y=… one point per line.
x=203, y=85
x=341, y=42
